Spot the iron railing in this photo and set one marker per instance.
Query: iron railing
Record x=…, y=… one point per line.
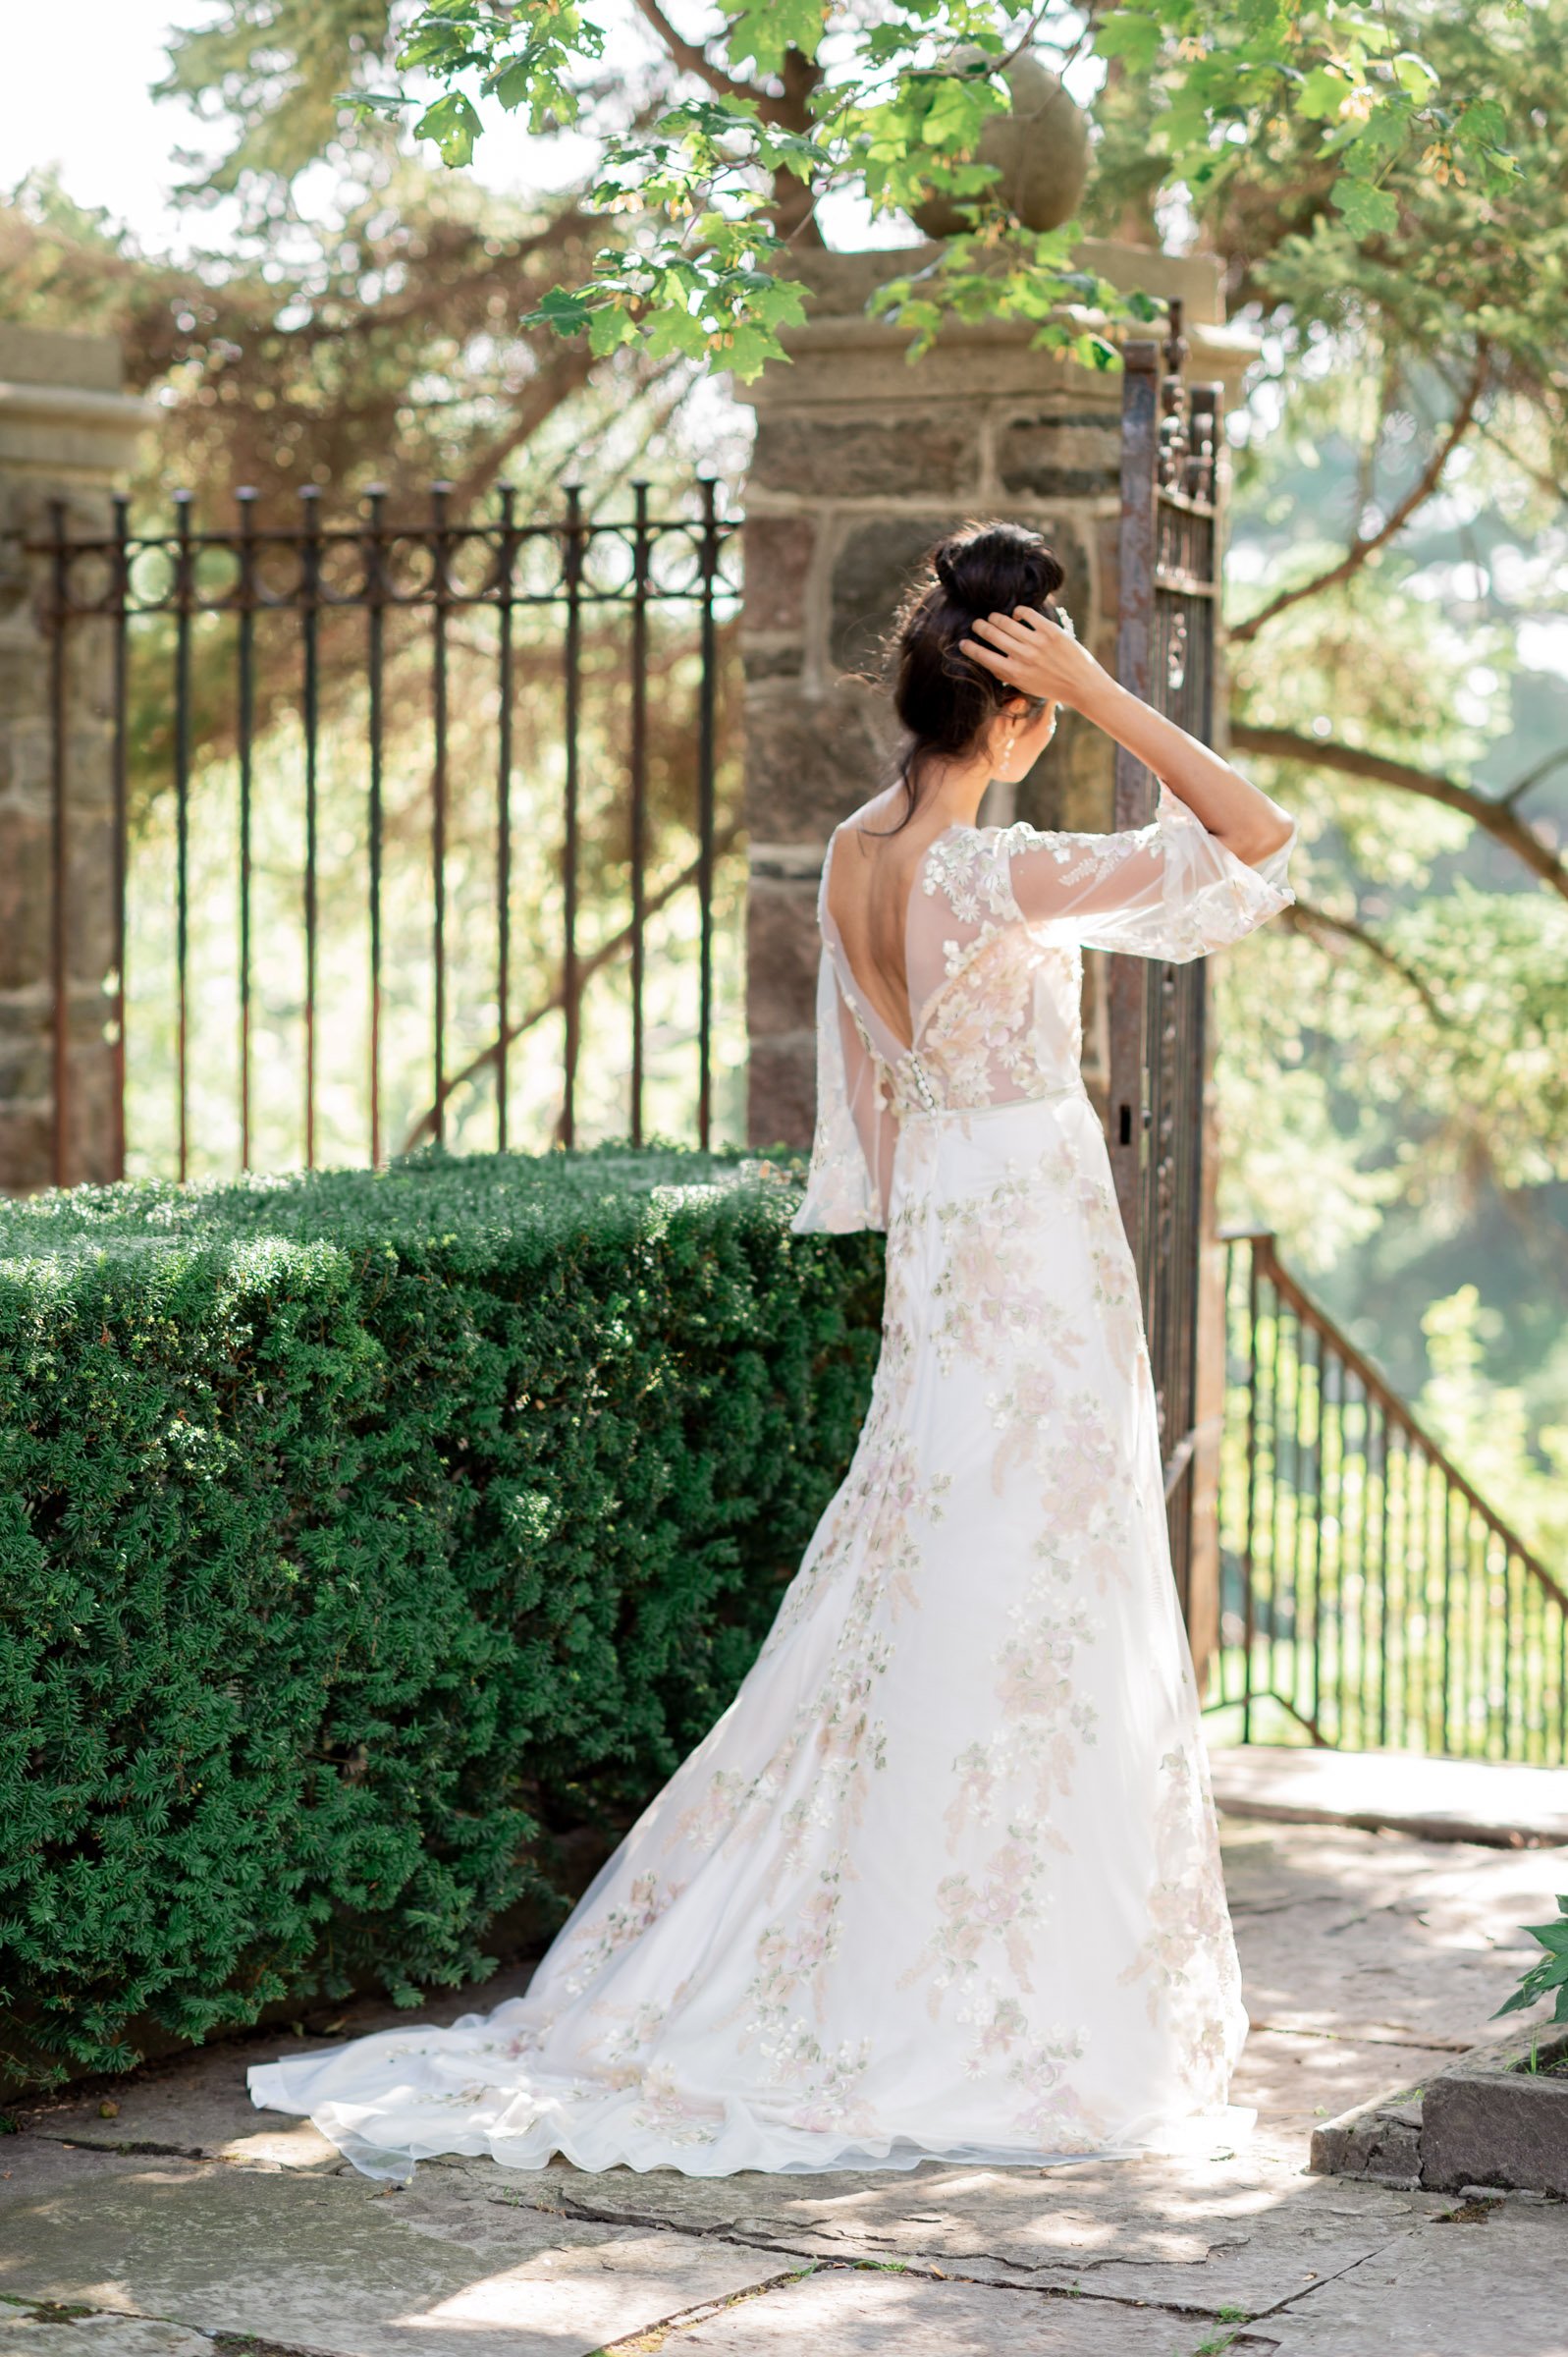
x=302, y=716
x=1370, y=1597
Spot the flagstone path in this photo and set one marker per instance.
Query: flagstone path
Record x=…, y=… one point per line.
x=186, y=2224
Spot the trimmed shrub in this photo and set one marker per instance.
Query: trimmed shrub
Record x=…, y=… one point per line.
x=358, y=1534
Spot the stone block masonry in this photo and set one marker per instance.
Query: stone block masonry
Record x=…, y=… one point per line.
x=67, y=432
x=862, y=460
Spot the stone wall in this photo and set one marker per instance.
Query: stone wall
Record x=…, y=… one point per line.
x=67, y=432
x=861, y=462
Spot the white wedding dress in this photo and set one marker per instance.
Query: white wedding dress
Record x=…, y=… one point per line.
x=943, y=1881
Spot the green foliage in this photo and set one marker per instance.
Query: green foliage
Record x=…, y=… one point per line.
x=382, y=346
x=275, y=68
x=361, y=1532
x=1551, y=1974
x=1486, y=1427
x=894, y=101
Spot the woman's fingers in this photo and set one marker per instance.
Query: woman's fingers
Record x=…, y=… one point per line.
x=1002, y=631
x=986, y=655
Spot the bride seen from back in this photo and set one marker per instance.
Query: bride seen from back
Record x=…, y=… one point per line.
x=943, y=1882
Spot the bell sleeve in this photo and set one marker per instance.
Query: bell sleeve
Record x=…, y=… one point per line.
x=1169, y=890
x=851, y=1153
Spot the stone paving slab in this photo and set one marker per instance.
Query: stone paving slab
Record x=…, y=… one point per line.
x=852, y=2313
x=1196, y=2236
x=1440, y=1801
x=1488, y=2283
x=37, y=2165
x=23, y=2335
x=198, y=2112
x=1380, y=1937
x=328, y=2265
x=1297, y=2083
x=196, y=2105
x=1369, y=1960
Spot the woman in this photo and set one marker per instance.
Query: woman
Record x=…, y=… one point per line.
x=943, y=1881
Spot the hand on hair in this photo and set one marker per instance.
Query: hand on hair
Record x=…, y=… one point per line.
x=1034, y=654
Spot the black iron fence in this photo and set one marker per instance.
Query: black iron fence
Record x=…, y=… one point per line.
x=1370, y=1597
x=416, y=828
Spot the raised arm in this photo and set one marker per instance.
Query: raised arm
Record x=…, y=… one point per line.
x=1038, y=658
x=1169, y=890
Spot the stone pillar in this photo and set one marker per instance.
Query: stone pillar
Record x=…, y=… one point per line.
x=861, y=462
x=67, y=432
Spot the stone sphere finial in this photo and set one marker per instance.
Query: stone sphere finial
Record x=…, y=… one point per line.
x=1042, y=150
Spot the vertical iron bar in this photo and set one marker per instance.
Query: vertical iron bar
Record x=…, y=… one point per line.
x=309, y=610
x=1474, y=1640
x=182, y=787
x=1222, y=1464
x=120, y=594
x=1482, y=1629
x=1383, y=1614
x=375, y=624
x=708, y=660
x=1429, y=1616
x=504, y=593
x=59, y=845
x=1422, y=1520
x=246, y=593
x=1396, y=1587
x=639, y=797
x=1337, y=1428
x=571, y=655
x=1293, y=1502
x=1249, y=1552
x=438, y=792
x=1275, y=1322
x=1361, y=1566
x=1463, y=1645
x=1507, y=1636
x=1447, y=1608
x=1316, y=1526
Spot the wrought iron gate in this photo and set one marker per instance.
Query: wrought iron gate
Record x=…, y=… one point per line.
x=1165, y=653
x=395, y=800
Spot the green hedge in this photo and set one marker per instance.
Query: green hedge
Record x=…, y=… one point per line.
x=361, y=1533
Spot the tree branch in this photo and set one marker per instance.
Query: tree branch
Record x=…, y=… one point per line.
x=564, y=373
x=788, y=110
x=1303, y=917
x=1542, y=769
x=692, y=58
x=1502, y=823
x=1367, y=545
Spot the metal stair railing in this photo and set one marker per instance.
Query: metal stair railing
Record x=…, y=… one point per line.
x=1370, y=1598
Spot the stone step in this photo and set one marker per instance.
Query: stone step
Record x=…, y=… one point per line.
x=1505, y=1805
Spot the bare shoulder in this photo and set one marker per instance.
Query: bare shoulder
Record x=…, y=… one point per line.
x=874, y=819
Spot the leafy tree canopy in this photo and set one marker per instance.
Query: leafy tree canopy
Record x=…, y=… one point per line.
x=704, y=185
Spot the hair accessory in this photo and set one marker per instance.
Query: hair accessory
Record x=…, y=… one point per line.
x=1060, y=616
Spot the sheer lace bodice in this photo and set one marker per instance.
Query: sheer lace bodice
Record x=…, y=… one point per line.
x=996, y=924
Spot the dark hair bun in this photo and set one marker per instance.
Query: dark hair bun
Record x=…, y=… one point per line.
x=992, y=569
x=944, y=697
